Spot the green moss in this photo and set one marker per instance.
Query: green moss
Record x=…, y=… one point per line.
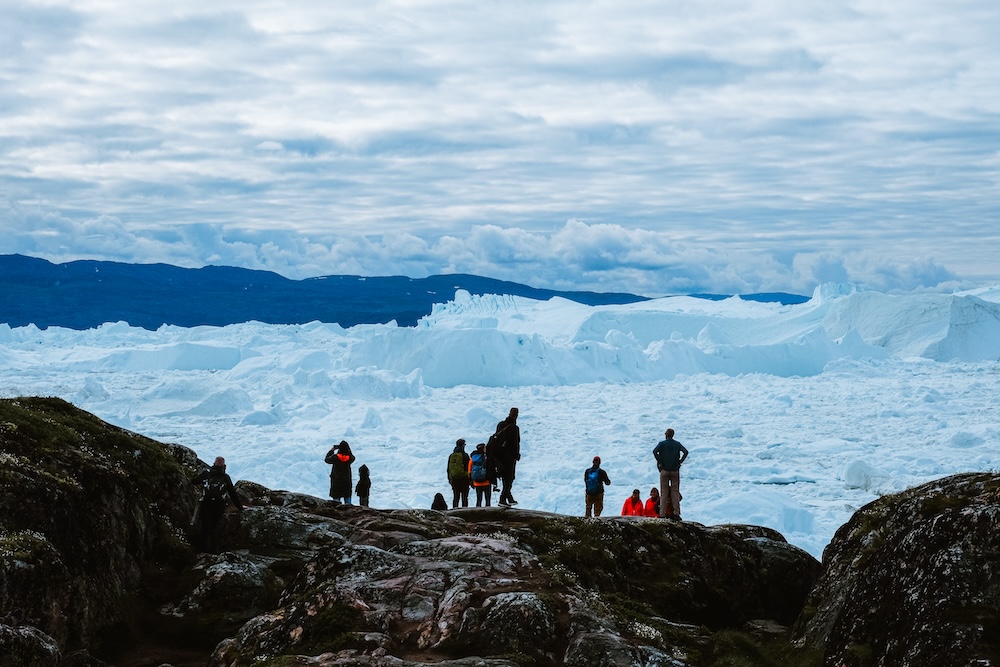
x=731, y=648
x=330, y=629
x=25, y=546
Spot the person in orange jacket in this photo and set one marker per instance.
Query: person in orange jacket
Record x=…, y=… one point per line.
x=653, y=502
x=633, y=505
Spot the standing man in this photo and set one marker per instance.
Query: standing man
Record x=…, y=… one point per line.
x=505, y=450
x=669, y=455
x=218, y=491
x=340, y=459
x=594, y=479
x=458, y=474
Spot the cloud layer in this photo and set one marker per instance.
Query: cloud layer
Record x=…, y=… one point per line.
x=652, y=147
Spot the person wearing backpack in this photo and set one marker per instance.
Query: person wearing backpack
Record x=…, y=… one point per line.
x=633, y=505
x=218, y=490
x=669, y=455
x=340, y=459
x=479, y=475
x=458, y=474
x=364, y=487
x=594, y=479
x=504, y=450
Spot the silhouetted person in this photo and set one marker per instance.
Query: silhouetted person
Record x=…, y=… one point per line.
x=218, y=491
x=439, y=503
x=505, y=452
x=340, y=459
x=364, y=487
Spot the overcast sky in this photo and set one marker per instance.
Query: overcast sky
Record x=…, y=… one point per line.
x=651, y=147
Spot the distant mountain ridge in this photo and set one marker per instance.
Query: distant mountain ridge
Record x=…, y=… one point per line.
x=87, y=293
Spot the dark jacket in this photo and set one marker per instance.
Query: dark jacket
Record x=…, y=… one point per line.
x=364, y=487
x=340, y=459
x=217, y=471
x=669, y=454
x=439, y=503
x=505, y=451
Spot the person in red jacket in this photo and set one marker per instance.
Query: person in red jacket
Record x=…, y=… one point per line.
x=633, y=505
x=653, y=502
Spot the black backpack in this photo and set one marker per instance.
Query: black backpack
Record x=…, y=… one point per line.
x=216, y=488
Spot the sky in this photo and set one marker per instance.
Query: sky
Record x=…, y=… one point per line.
x=653, y=147
x=794, y=416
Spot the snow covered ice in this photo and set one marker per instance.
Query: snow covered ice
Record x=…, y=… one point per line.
x=795, y=416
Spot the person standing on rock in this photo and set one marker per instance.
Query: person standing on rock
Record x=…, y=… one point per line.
x=340, y=459
x=218, y=491
x=504, y=449
x=458, y=474
x=669, y=455
x=594, y=479
x=364, y=487
x=479, y=474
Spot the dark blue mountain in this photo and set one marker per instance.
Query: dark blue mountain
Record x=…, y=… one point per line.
x=85, y=294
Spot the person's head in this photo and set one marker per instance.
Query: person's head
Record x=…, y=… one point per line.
x=460, y=444
x=481, y=447
x=654, y=492
x=343, y=447
x=363, y=471
x=513, y=414
x=219, y=462
x=636, y=495
x=597, y=460
x=669, y=433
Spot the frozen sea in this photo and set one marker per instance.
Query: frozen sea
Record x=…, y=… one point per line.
x=795, y=415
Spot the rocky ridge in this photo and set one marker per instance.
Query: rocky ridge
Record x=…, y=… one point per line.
x=97, y=568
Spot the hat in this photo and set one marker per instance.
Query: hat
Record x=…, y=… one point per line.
x=597, y=459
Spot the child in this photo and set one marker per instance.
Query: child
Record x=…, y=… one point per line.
x=364, y=487
x=439, y=503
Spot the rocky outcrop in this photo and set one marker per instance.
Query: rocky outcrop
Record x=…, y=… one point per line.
x=96, y=568
x=912, y=580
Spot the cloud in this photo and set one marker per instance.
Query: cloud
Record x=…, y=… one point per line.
x=677, y=146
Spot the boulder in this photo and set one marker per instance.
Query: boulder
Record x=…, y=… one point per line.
x=911, y=580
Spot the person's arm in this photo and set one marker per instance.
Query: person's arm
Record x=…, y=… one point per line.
x=232, y=493
x=684, y=453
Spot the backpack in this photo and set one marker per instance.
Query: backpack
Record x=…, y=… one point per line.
x=456, y=466
x=478, y=467
x=215, y=488
x=593, y=481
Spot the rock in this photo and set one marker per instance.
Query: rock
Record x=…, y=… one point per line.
x=25, y=646
x=911, y=580
x=95, y=555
